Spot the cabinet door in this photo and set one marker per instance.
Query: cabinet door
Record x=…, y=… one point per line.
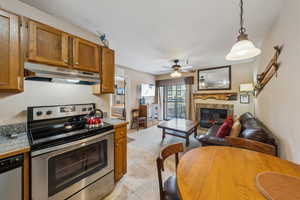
x=108, y=71
x=124, y=163
x=47, y=45
x=86, y=55
x=121, y=132
x=11, y=69
x=120, y=158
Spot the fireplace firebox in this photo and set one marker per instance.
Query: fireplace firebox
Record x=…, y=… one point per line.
x=211, y=116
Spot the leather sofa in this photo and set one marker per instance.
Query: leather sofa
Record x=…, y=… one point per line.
x=253, y=136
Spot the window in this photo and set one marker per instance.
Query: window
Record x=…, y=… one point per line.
x=174, y=102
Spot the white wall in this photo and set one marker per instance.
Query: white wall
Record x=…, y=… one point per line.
x=13, y=106
x=278, y=104
x=240, y=73
x=133, y=80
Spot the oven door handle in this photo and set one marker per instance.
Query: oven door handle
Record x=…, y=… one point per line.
x=72, y=145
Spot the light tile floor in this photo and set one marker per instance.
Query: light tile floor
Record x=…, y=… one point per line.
x=141, y=181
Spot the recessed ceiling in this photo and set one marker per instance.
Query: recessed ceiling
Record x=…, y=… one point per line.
x=147, y=34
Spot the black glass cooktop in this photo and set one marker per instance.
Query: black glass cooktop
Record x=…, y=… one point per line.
x=44, y=134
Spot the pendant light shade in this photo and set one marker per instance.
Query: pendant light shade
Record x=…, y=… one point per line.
x=244, y=48
x=176, y=74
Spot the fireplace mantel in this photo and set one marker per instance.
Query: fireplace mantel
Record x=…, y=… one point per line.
x=218, y=96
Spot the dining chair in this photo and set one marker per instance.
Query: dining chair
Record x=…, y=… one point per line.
x=251, y=145
x=137, y=120
x=168, y=189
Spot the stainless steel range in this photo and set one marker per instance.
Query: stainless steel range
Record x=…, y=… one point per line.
x=69, y=160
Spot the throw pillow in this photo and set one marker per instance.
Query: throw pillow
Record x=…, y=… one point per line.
x=224, y=130
x=236, y=129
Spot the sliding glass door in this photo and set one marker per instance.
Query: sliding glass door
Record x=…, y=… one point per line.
x=174, y=102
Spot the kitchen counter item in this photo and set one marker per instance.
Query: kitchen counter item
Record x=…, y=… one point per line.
x=12, y=129
x=94, y=119
x=11, y=178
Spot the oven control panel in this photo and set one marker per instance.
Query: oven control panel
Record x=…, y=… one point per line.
x=52, y=112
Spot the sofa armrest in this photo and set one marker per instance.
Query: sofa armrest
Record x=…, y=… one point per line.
x=251, y=145
x=211, y=140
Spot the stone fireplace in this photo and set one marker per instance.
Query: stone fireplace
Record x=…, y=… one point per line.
x=208, y=114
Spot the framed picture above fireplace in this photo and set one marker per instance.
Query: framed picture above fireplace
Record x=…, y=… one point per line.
x=217, y=78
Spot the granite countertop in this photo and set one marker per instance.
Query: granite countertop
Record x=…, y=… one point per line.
x=114, y=121
x=10, y=145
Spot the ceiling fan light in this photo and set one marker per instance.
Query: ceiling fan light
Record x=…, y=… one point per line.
x=176, y=74
x=242, y=50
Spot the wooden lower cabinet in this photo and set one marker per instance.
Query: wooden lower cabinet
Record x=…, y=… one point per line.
x=120, y=151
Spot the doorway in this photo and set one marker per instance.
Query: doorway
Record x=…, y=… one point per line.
x=175, y=102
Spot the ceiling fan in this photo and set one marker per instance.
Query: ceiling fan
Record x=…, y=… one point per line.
x=176, y=68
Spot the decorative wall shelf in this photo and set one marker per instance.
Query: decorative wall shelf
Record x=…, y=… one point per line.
x=270, y=71
x=218, y=96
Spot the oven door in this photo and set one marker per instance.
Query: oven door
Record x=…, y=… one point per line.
x=60, y=173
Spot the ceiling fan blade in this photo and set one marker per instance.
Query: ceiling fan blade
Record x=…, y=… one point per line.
x=187, y=67
x=184, y=70
x=164, y=71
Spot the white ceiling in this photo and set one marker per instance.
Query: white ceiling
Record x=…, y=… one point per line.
x=146, y=34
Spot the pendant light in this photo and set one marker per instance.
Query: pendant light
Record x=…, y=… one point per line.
x=176, y=74
x=244, y=48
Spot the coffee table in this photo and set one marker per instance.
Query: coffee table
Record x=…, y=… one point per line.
x=179, y=128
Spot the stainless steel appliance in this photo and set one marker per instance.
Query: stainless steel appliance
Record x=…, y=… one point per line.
x=11, y=178
x=69, y=160
x=42, y=72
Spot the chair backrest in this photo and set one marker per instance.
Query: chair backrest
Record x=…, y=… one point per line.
x=164, y=154
x=135, y=113
x=251, y=145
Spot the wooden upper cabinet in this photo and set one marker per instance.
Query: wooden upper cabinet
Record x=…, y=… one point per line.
x=47, y=45
x=108, y=71
x=11, y=68
x=86, y=55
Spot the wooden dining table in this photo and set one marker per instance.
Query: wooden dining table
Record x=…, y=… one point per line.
x=226, y=173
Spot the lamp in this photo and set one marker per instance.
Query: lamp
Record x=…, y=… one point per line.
x=244, y=48
x=176, y=74
x=246, y=87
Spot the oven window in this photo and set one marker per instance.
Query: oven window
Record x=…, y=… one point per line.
x=70, y=167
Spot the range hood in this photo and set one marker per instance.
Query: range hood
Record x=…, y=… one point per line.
x=41, y=72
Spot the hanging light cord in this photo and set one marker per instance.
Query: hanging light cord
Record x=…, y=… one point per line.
x=242, y=29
